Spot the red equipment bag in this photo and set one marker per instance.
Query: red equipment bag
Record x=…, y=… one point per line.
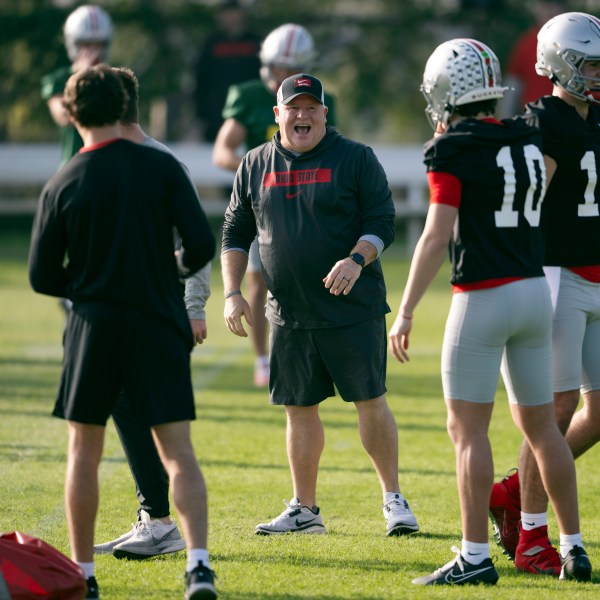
x=32, y=569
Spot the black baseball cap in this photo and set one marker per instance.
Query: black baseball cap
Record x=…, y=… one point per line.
x=300, y=84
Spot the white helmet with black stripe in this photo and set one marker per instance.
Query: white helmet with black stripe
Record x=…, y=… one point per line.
x=564, y=44
x=291, y=47
x=459, y=71
x=87, y=24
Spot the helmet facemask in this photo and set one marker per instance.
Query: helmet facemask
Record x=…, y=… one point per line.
x=565, y=44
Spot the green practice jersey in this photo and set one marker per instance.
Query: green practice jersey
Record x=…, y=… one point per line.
x=53, y=84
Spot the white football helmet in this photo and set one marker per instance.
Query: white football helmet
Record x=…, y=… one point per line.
x=564, y=44
x=88, y=23
x=289, y=46
x=459, y=72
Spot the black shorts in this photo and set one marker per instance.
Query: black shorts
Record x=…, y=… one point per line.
x=109, y=349
x=307, y=363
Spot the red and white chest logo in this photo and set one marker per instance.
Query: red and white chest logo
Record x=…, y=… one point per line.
x=296, y=178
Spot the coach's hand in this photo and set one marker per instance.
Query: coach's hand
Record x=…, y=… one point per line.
x=235, y=307
x=342, y=277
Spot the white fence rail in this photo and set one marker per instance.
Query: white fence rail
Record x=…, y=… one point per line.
x=31, y=165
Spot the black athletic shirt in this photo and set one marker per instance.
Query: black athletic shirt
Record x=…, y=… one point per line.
x=111, y=211
x=500, y=168
x=309, y=211
x=570, y=217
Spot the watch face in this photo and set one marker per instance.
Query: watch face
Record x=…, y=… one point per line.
x=358, y=259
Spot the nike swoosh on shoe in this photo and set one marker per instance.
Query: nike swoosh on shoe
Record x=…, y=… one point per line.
x=450, y=578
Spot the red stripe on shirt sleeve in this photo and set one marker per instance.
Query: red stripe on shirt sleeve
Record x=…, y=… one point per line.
x=444, y=188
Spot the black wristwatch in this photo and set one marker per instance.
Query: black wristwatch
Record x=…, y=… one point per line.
x=359, y=259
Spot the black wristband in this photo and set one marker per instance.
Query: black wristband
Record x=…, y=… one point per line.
x=233, y=293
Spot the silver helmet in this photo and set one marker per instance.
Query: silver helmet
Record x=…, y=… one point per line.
x=459, y=72
x=289, y=46
x=564, y=44
x=88, y=23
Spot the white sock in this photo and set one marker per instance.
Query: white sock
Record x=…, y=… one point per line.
x=87, y=568
x=568, y=541
x=263, y=361
x=392, y=496
x=474, y=552
x=196, y=555
x=530, y=521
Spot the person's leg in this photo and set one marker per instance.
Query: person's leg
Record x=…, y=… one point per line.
x=468, y=424
x=305, y=440
x=256, y=291
x=187, y=483
x=584, y=430
x=573, y=307
x=299, y=381
x=555, y=461
x=151, y=479
x=154, y=532
x=188, y=489
x=81, y=487
x=379, y=437
x=534, y=498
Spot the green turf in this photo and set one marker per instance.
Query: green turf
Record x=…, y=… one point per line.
x=240, y=443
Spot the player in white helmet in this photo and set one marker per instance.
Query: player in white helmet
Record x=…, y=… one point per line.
x=248, y=122
x=568, y=53
x=88, y=33
x=487, y=180
x=88, y=28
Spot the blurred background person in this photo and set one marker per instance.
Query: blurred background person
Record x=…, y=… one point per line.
x=88, y=33
x=524, y=84
x=228, y=56
x=248, y=122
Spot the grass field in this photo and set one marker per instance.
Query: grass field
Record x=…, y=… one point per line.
x=240, y=443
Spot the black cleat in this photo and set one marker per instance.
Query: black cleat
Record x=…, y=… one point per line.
x=92, y=589
x=199, y=584
x=576, y=565
x=460, y=572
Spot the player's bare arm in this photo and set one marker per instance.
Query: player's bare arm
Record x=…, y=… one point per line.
x=427, y=260
x=229, y=139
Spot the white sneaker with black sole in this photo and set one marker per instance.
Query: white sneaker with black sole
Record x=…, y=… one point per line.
x=151, y=537
x=294, y=519
x=399, y=519
x=108, y=547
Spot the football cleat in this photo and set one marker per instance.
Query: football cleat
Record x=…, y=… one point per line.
x=576, y=565
x=535, y=554
x=505, y=513
x=460, y=572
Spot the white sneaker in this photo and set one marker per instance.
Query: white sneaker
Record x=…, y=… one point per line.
x=294, y=519
x=108, y=547
x=398, y=516
x=151, y=537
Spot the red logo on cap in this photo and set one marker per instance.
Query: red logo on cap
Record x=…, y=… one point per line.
x=302, y=82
